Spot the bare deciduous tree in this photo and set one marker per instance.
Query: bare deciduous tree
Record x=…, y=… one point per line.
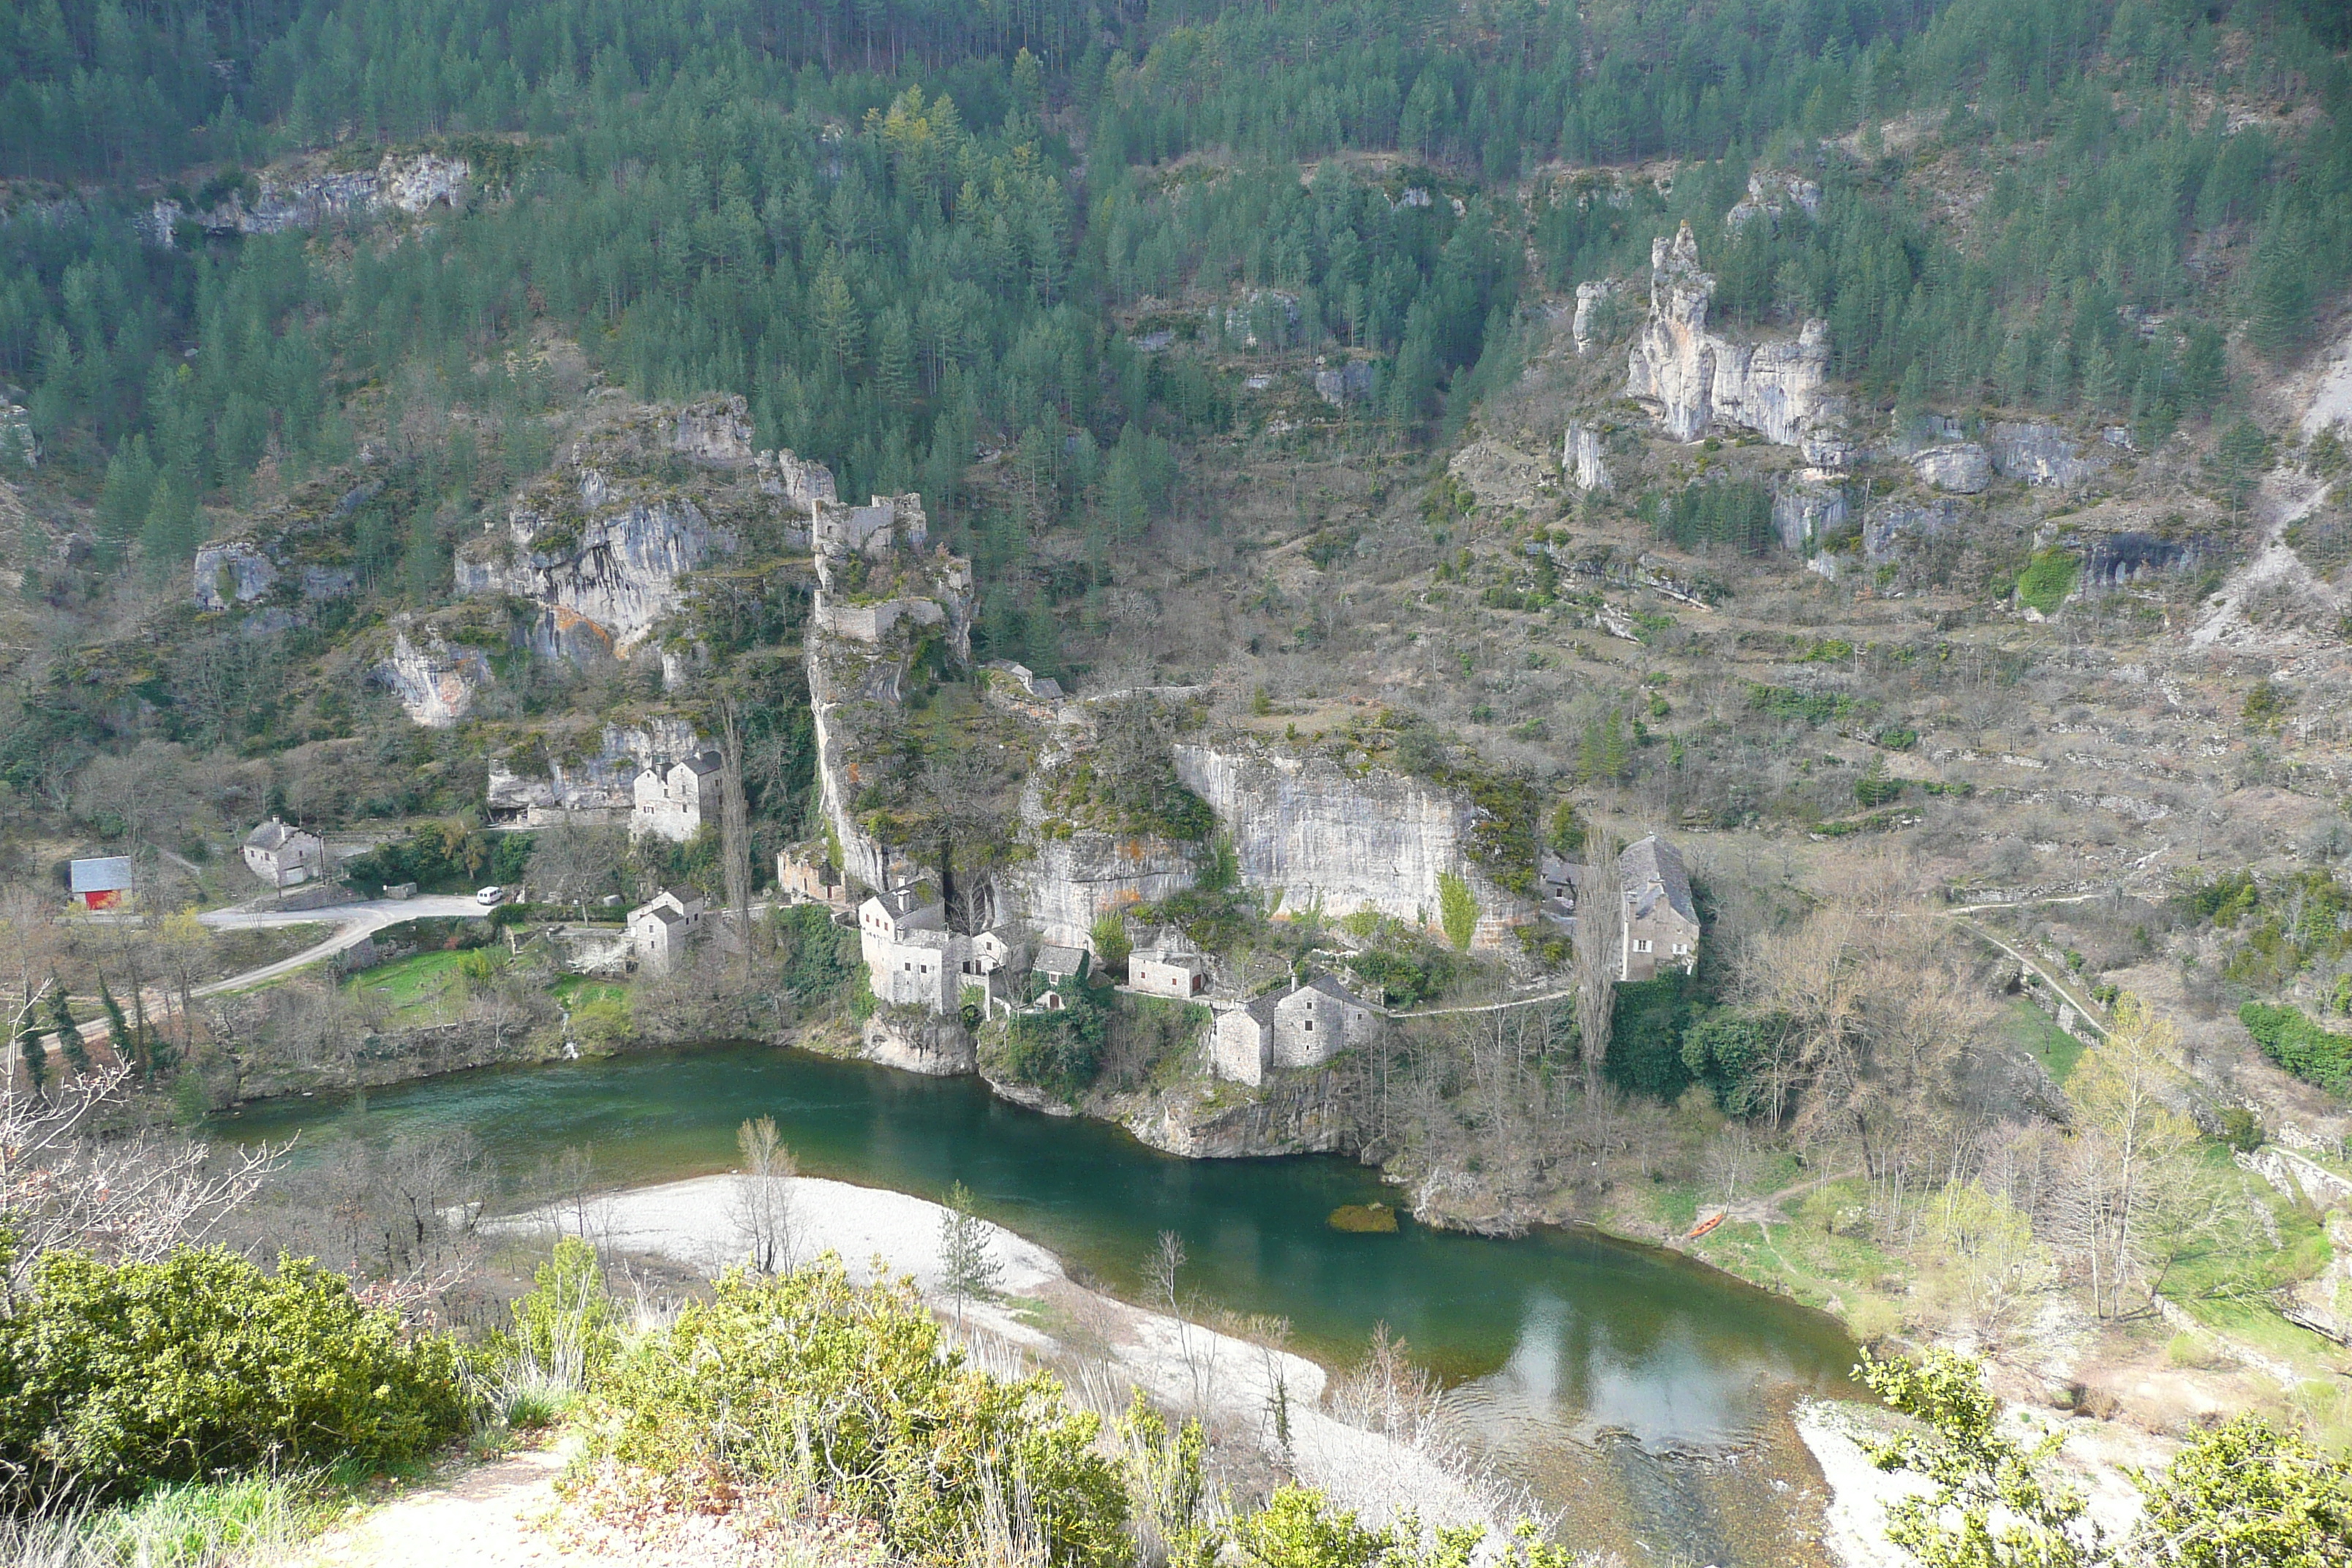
x=764, y=1218
x=124, y=1199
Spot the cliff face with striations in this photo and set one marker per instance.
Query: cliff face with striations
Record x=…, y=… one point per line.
x=601, y=557
x=1322, y=834
x=604, y=543
x=1692, y=378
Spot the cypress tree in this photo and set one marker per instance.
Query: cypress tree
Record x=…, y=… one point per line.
x=68, y=1032
x=37, y=1056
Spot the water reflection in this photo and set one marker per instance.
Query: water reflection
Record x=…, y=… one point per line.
x=1556, y=1337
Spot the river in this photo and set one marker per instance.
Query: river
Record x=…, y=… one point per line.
x=1582, y=1360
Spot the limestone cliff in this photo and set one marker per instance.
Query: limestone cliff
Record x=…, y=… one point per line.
x=1074, y=876
x=308, y=192
x=435, y=679
x=880, y=594
x=1693, y=379
x=1323, y=835
x=602, y=558
x=603, y=544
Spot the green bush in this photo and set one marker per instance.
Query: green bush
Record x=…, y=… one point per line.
x=818, y=956
x=1060, y=1052
x=564, y=1333
x=2296, y=1043
x=845, y=1390
x=1457, y=910
x=2047, y=580
x=114, y=1377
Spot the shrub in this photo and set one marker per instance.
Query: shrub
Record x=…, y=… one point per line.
x=116, y=1376
x=2300, y=1045
x=807, y=1380
x=1060, y=1052
x=2047, y=580
x=1457, y=910
x=564, y=1333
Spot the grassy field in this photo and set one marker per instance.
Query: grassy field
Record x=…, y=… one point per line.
x=424, y=988
x=581, y=990
x=2034, y=1034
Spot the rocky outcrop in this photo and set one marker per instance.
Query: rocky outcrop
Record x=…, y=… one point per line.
x=1305, y=1112
x=878, y=590
x=1343, y=384
x=1771, y=195
x=233, y=572
x=1069, y=883
x=2039, y=455
x=1809, y=505
x=1960, y=467
x=602, y=558
x=1691, y=379
x=1886, y=528
x=913, y=1040
x=597, y=789
x=2120, y=559
x=433, y=679
x=1590, y=299
x=1323, y=835
x=18, y=445
x=1582, y=458
x=307, y=197
x=1499, y=476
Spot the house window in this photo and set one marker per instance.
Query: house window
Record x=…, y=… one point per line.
x=1681, y=947
x=1310, y=1026
x=1642, y=944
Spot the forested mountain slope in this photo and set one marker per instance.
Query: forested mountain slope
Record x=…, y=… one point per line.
x=1896, y=448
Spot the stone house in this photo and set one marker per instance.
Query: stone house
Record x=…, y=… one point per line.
x=674, y=801
x=659, y=927
x=1054, y=965
x=903, y=936
x=805, y=876
x=913, y=960
x=285, y=857
x=1659, y=925
x=1302, y=1027
x=1166, y=966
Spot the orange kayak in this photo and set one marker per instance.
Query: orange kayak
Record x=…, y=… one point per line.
x=1703, y=1227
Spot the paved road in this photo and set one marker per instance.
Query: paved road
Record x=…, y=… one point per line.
x=353, y=924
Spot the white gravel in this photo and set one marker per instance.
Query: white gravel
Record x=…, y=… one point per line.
x=1182, y=1365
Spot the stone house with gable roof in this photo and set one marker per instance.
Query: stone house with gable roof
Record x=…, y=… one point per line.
x=674, y=799
x=1302, y=1027
x=1659, y=926
x=660, y=927
x=284, y=855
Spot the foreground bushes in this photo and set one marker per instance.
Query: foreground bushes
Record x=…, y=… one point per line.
x=806, y=1380
x=2289, y=1037
x=114, y=1377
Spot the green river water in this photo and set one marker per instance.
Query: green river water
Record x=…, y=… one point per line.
x=1581, y=1360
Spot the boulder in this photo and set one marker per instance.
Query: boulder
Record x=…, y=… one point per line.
x=1959, y=467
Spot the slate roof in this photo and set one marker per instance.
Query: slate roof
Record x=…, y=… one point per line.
x=1325, y=985
x=1260, y=1009
x=1059, y=961
x=272, y=835
x=1652, y=868
x=106, y=874
x=703, y=762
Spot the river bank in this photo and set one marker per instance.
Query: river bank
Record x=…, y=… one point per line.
x=1264, y=1406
